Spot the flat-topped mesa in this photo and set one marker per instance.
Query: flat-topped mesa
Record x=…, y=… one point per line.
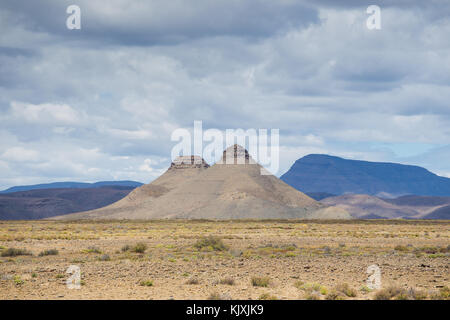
x=185, y=162
x=236, y=154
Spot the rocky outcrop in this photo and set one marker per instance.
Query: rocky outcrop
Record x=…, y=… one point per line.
x=185, y=162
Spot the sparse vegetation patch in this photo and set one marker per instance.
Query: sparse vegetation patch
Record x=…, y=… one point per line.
x=267, y=296
x=13, y=252
x=341, y=291
x=227, y=281
x=50, y=252
x=92, y=249
x=146, y=283
x=193, y=281
x=139, y=248
x=211, y=243
x=260, y=281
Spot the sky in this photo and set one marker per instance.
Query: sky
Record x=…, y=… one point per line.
x=101, y=102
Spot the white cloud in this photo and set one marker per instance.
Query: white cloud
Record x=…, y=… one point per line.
x=20, y=154
x=146, y=166
x=129, y=134
x=47, y=113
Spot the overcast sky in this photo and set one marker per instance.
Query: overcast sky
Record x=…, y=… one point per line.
x=100, y=103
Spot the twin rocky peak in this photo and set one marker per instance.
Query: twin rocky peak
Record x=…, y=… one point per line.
x=235, y=154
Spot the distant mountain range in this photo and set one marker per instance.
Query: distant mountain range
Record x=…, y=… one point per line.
x=73, y=185
x=366, y=190
x=44, y=203
x=317, y=173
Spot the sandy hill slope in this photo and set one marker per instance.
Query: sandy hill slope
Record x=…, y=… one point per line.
x=442, y=213
x=233, y=188
x=366, y=207
x=410, y=207
x=419, y=201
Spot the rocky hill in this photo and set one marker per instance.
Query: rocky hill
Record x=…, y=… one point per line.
x=233, y=188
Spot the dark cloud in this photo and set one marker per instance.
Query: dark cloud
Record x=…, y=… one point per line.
x=161, y=22
x=101, y=102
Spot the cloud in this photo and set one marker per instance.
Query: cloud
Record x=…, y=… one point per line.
x=146, y=166
x=96, y=103
x=47, y=113
x=20, y=154
x=160, y=22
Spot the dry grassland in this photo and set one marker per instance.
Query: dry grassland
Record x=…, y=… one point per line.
x=243, y=260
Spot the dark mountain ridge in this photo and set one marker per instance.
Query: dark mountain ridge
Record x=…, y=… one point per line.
x=73, y=185
x=44, y=203
x=330, y=174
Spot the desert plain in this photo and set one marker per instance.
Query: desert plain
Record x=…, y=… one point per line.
x=243, y=259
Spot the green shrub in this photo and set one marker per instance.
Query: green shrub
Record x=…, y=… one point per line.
x=290, y=254
x=312, y=287
x=51, y=252
x=415, y=294
x=18, y=280
x=104, y=257
x=13, y=252
x=341, y=292
x=125, y=248
x=193, y=281
x=365, y=289
x=445, y=292
x=429, y=250
x=139, y=248
x=215, y=296
x=146, y=283
x=218, y=296
x=227, y=281
x=92, y=250
x=211, y=242
x=260, y=281
x=326, y=250
x=401, y=248
x=267, y=296
x=299, y=284
x=334, y=295
x=312, y=296
x=345, y=289
x=390, y=293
